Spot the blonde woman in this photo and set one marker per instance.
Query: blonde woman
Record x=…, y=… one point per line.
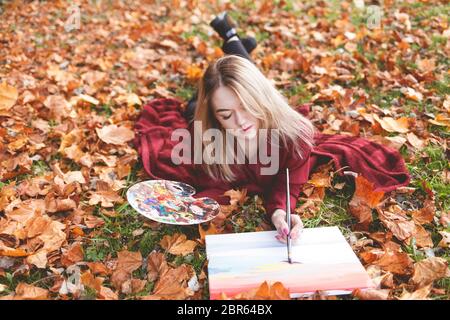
x=241, y=125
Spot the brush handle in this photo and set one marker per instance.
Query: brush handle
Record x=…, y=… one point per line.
x=288, y=215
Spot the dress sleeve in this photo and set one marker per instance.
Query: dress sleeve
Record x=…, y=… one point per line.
x=298, y=175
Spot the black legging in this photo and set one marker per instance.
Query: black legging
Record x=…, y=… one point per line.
x=231, y=47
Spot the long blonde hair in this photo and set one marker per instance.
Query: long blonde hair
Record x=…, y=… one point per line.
x=259, y=97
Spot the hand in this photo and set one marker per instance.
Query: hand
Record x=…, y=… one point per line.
x=279, y=221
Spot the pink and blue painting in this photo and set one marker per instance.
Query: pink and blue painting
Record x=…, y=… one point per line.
x=322, y=260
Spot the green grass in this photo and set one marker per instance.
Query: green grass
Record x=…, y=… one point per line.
x=428, y=171
x=333, y=210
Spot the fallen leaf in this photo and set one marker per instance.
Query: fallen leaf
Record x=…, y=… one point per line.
x=396, y=221
x=371, y=294
x=115, y=135
x=363, y=200
x=156, y=265
x=26, y=291
x=177, y=244
x=429, y=270
x=8, y=96
x=420, y=294
x=73, y=255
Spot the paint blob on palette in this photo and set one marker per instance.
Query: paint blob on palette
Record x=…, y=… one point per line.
x=171, y=202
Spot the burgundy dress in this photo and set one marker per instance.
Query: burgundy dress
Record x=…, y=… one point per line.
x=382, y=166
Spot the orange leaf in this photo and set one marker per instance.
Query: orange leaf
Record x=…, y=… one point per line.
x=8, y=96
x=211, y=230
x=371, y=294
x=13, y=253
x=29, y=292
x=178, y=244
x=429, y=270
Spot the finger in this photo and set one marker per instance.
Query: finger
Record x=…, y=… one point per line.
x=282, y=228
x=295, y=233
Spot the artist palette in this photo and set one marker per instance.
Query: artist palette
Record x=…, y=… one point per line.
x=171, y=202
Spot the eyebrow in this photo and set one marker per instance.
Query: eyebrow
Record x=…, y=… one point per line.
x=221, y=110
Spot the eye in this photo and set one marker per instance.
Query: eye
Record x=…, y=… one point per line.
x=227, y=117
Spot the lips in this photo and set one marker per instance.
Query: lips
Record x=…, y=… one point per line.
x=246, y=129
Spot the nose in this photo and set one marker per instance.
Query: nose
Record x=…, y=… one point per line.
x=240, y=118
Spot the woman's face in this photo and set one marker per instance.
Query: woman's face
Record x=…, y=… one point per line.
x=231, y=115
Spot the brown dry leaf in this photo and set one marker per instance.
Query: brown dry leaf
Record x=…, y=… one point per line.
x=426, y=214
x=420, y=294
x=177, y=244
x=396, y=262
x=441, y=120
x=98, y=268
x=106, y=198
x=107, y=294
x=58, y=106
x=115, y=135
x=128, y=261
x=415, y=141
x=371, y=294
x=412, y=94
x=389, y=124
x=172, y=285
x=421, y=236
x=73, y=255
x=156, y=265
x=26, y=291
x=396, y=221
x=133, y=286
x=429, y=270
x=8, y=96
x=89, y=280
x=364, y=199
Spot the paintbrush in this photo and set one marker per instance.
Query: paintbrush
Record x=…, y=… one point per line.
x=288, y=216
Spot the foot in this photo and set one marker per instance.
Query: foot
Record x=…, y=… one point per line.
x=224, y=25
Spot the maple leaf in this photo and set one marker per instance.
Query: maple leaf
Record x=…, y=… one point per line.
x=177, y=244
x=127, y=263
x=364, y=199
x=173, y=284
x=428, y=270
